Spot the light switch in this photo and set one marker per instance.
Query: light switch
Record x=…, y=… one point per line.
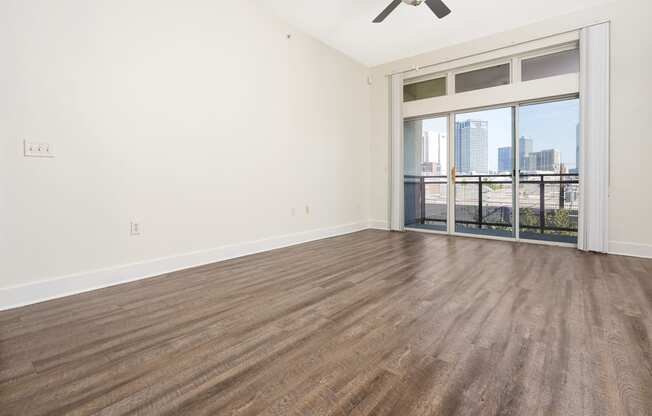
x=136, y=228
x=38, y=149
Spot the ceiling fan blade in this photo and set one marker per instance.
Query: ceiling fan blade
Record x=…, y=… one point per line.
x=438, y=8
x=394, y=4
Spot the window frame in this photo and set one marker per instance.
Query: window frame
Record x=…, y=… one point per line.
x=543, y=52
x=451, y=115
x=515, y=94
x=479, y=67
x=519, y=53
x=425, y=78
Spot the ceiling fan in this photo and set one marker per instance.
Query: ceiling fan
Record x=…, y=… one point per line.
x=437, y=6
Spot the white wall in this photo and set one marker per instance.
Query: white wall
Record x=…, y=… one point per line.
x=630, y=200
x=182, y=114
x=198, y=118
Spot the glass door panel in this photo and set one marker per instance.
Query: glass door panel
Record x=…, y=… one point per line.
x=549, y=174
x=425, y=167
x=484, y=182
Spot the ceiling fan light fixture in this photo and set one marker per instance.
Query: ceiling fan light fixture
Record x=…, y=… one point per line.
x=437, y=6
x=413, y=2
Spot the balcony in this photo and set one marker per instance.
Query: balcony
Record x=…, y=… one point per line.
x=426, y=202
x=484, y=205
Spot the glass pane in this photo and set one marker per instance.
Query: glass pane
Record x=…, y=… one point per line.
x=424, y=89
x=549, y=178
x=483, y=194
x=425, y=167
x=482, y=78
x=567, y=62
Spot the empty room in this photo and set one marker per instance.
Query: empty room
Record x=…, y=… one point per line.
x=343, y=207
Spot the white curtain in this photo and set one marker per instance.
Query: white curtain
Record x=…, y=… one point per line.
x=396, y=216
x=594, y=138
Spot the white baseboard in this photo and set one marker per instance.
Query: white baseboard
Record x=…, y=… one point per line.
x=378, y=225
x=16, y=296
x=630, y=249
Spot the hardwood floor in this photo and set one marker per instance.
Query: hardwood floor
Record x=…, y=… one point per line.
x=368, y=323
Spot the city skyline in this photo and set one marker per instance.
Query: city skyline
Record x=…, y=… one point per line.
x=550, y=126
x=547, y=160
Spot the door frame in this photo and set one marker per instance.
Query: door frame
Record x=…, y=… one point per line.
x=452, y=187
x=450, y=221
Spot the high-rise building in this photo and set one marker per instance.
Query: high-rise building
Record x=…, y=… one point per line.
x=548, y=160
x=472, y=145
x=577, y=150
x=544, y=160
x=525, y=147
x=529, y=162
x=434, y=152
x=505, y=159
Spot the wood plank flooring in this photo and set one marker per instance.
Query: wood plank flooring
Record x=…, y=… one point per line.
x=371, y=323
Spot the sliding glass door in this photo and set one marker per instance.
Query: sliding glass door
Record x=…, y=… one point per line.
x=514, y=172
x=549, y=172
x=484, y=183
x=425, y=167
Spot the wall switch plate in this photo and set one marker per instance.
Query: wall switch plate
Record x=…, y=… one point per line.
x=136, y=228
x=34, y=149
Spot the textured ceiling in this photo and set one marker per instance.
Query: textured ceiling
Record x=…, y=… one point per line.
x=346, y=24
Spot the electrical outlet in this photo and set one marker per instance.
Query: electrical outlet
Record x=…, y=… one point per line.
x=33, y=149
x=307, y=209
x=136, y=228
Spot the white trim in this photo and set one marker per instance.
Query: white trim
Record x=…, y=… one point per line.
x=548, y=243
x=496, y=54
x=424, y=78
x=15, y=296
x=378, y=225
x=450, y=200
x=515, y=70
x=549, y=51
x=397, y=217
x=484, y=236
x=483, y=65
x=426, y=231
x=622, y=248
x=513, y=240
x=516, y=168
x=616, y=248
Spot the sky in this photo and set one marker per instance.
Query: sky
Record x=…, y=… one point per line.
x=550, y=125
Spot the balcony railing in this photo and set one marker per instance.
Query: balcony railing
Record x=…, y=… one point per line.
x=565, y=185
x=491, y=205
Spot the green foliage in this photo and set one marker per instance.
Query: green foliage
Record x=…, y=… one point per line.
x=560, y=218
x=528, y=217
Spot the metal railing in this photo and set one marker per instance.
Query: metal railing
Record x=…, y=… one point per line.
x=540, y=179
x=561, y=179
x=421, y=182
